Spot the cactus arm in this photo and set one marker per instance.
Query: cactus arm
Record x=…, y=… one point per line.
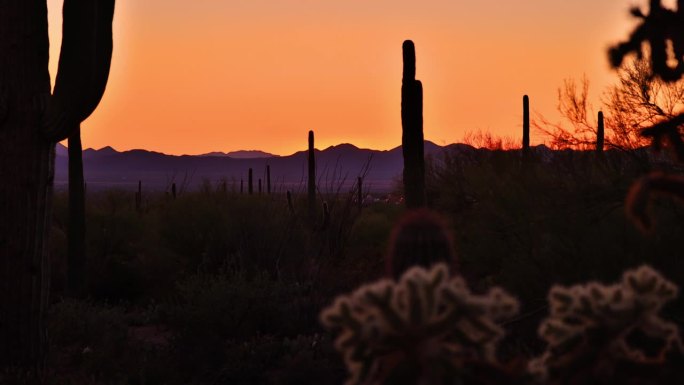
x=84, y=65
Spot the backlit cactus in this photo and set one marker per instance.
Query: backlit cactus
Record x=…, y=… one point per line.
x=425, y=327
x=311, y=185
x=412, y=130
x=250, y=182
x=600, y=133
x=589, y=331
x=32, y=120
x=526, y=127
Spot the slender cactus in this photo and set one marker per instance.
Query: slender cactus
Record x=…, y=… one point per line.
x=312, y=176
x=412, y=130
x=173, y=190
x=242, y=186
x=526, y=127
x=250, y=185
x=259, y=186
x=76, y=263
x=600, y=133
x=268, y=179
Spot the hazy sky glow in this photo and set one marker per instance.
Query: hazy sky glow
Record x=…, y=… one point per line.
x=191, y=77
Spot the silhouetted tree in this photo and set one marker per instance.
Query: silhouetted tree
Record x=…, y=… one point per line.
x=34, y=121
x=663, y=31
x=637, y=101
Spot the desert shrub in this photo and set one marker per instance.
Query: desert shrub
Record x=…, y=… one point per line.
x=213, y=311
x=304, y=359
x=92, y=339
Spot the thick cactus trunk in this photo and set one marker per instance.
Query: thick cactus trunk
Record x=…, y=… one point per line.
x=76, y=265
x=412, y=130
x=26, y=172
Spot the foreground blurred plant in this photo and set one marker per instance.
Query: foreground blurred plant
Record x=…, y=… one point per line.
x=594, y=330
x=422, y=329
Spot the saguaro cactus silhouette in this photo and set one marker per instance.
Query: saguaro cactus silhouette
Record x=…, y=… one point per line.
x=412, y=130
x=311, y=185
x=600, y=132
x=526, y=127
x=34, y=121
x=268, y=179
x=250, y=183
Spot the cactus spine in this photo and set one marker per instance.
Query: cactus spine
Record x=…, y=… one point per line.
x=600, y=132
x=250, y=185
x=32, y=121
x=526, y=127
x=311, y=185
x=412, y=130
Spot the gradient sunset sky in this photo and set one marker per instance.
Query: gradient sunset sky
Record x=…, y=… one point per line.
x=190, y=77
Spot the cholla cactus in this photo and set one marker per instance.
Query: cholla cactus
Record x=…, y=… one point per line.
x=592, y=328
x=420, y=329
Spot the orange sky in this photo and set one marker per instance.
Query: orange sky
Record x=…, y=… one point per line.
x=191, y=77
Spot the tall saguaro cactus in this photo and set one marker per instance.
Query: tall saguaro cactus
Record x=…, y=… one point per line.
x=600, y=132
x=526, y=127
x=311, y=185
x=412, y=130
x=34, y=121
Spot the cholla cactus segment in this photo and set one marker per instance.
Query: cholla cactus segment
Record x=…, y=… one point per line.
x=427, y=321
x=591, y=327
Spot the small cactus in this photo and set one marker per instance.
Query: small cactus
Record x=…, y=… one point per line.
x=600, y=132
x=427, y=321
x=311, y=185
x=268, y=179
x=250, y=184
x=173, y=190
x=590, y=328
x=526, y=127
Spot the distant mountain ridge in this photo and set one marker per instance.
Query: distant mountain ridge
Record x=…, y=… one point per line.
x=336, y=165
x=242, y=154
x=107, y=167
